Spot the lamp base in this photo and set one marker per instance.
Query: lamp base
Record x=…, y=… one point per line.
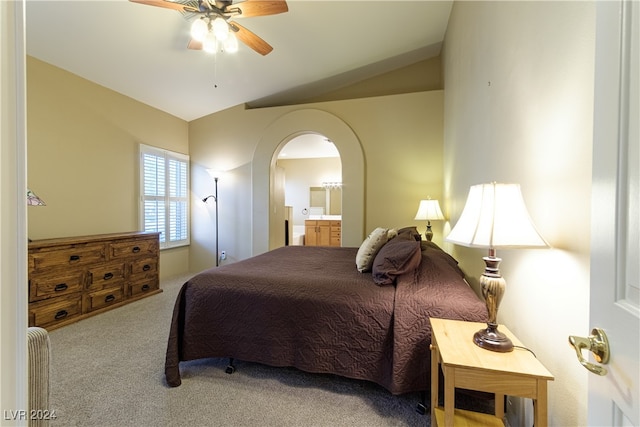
x=492, y=339
x=428, y=233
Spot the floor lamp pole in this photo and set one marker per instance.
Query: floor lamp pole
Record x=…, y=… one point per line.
x=216, y=199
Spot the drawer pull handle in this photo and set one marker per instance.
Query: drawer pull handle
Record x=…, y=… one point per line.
x=108, y=276
x=109, y=298
x=136, y=249
x=145, y=287
x=61, y=287
x=61, y=314
x=146, y=267
x=74, y=258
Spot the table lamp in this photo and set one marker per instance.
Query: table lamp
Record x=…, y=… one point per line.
x=494, y=217
x=429, y=210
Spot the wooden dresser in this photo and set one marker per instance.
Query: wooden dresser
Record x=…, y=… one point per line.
x=322, y=232
x=76, y=277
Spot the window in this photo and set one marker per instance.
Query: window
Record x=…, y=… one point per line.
x=164, y=190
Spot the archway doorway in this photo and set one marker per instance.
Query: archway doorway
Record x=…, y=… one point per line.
x=309, y=172
x=281, y=131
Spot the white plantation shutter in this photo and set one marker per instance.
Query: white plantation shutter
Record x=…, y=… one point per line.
x=178, y=190
x=164, y=189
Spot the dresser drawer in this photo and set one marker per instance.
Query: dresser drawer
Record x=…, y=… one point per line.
x=105, y=275
x=126, y=249
x=72, y=256
x=60, y=310
x=105, y=297
x=144, y=266
x=43, y=287
x=143, y=286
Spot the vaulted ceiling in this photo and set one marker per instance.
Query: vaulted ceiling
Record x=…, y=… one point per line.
x=318, y=46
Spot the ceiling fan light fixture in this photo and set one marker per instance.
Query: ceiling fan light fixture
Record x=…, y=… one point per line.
x=209, y=44
x=199, y=29
x=231, y=43
x=216, y=17
x=220, y=28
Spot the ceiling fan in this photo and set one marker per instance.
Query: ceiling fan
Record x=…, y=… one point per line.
x=213, y=26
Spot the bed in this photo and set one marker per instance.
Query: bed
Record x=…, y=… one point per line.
x=309, y=307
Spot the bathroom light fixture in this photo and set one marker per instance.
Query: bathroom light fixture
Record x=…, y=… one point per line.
x=332, y=185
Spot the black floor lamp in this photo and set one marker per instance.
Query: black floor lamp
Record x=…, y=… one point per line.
x=214, y=196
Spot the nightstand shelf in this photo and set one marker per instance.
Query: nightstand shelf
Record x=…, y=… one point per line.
x=465, y=365
x=462, y=418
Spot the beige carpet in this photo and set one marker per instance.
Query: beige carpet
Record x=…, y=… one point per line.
x=108, y=370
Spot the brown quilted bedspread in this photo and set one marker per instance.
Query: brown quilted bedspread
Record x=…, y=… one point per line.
x=308, y=307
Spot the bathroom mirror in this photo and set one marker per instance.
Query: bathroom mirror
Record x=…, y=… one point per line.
x=327, y=200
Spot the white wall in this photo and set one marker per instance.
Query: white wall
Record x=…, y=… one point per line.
x=518, y=108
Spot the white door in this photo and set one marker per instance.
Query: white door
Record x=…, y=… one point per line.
x=614, y=399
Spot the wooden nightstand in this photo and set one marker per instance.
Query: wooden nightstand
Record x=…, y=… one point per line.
x=465, y=365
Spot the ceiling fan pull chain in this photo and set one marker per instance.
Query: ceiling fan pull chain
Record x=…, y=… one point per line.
x=215, y=69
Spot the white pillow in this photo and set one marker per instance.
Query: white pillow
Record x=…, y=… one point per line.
x=369, y=248
x=391, y=233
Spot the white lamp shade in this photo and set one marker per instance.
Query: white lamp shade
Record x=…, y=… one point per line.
x=429, y=210
x=231, y=43
x=214, y=173
x=209, y=44
x=495, y=216
x=220, y=28
x=199, y=29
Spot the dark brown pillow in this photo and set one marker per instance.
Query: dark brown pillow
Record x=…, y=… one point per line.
x=411, y=232
x=397, y=256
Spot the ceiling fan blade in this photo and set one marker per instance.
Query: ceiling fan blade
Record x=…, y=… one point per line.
x=249, y=8
x=168, y=5
x=194, y=44
x=250, y=39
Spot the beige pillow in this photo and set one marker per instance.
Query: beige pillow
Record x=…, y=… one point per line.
x=369, y=248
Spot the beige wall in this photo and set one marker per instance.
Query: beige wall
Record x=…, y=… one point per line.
x=518, y=108
x=422, y=76
x=82, y=156
x=400, y=137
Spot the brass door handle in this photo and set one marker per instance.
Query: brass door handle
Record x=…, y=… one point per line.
x=598, y=344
